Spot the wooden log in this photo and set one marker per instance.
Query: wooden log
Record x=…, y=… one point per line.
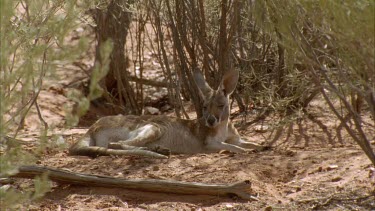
x=241, y=189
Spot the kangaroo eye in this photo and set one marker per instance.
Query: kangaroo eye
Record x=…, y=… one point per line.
x=221, y=106
x=204, y=107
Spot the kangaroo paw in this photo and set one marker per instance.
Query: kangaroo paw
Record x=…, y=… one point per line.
x=162, y=150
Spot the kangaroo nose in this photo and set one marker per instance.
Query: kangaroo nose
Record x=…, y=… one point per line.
x=211, y=120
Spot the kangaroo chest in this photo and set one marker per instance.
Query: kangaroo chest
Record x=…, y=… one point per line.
x=219, y=136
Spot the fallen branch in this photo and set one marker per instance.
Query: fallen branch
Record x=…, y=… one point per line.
x=240, y=189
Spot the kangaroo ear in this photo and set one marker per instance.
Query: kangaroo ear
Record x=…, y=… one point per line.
x=229, y=82
x=204, y=88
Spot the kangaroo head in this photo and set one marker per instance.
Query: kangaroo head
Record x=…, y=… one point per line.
x=216, y=102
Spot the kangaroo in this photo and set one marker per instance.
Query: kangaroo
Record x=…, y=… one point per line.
x=158, y=136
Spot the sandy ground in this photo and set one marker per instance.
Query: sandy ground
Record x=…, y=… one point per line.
x=297, y=174
x=293, y=177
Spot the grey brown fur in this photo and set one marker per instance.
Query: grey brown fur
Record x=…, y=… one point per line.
x=157, y=136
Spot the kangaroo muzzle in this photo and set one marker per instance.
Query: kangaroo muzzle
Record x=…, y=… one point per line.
x=211, y=121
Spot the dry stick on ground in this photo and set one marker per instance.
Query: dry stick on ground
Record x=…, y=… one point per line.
x=240, y=189
x=332, y=198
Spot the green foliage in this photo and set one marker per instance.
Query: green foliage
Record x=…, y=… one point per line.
x=325, y=34
x=82, y=103
x=13, y=158
x=347, y=26
x=351, y=25
x=100, y=70
x=34, y=41
x=40, y=186
x=11, y=198
x=333, y=43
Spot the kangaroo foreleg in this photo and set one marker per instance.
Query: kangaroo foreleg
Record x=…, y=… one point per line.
x=245, y=144
x=216, y=146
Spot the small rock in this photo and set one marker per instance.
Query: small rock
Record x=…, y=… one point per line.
x=269, y=208
x=151, y=110
x=261, y=128
x=290, y=153
x=331, y=167
x=60, y=141
x=155, y=168
x=157, y=95
x=371, y=173
x=79, y=29
x=166, y=107
x=4, y=188
x=229, y=206
x=336, y=179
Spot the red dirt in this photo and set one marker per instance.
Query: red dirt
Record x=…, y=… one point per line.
x=294, y=178
x=294, y=175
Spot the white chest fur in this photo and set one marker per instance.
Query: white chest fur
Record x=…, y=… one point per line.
x=220, y=136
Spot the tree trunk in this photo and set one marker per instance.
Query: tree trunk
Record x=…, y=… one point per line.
x=113, y=23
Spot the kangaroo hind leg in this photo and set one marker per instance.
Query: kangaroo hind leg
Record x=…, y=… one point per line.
x=139, y=138
x=143, y=135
